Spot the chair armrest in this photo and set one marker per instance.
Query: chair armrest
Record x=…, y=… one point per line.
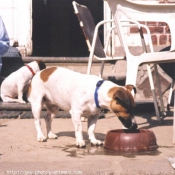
x=95, y=36
x=108, y=39
x=133, y=23
x=156, y=57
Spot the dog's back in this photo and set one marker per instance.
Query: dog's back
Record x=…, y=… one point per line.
x=17, y=82
x=62, y=87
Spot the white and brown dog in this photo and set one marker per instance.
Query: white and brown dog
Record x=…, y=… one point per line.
x=80, y=94
x=14, y=86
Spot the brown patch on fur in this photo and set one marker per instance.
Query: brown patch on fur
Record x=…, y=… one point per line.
x=112, y=91
x=46, y=73
x=122, y=101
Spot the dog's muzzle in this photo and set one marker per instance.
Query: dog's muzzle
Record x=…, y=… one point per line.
x=129, y=123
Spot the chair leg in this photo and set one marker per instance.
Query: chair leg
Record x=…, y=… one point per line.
x=89, y=65
x=159, y=90
x=102, y=68
x=131, y=74
x=153, y=92
x=170, y=93
x=155, y=104
x=92, y=49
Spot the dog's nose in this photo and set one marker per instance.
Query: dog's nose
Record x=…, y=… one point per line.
x=126, y=122
x=129, y=123
x=133, y=126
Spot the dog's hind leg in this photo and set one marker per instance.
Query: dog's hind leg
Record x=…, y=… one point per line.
x=48, y=119
x=36, y=110
x=9, y=99
x=91, y=127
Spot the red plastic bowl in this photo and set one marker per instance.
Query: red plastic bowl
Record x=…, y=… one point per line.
x=123, y=140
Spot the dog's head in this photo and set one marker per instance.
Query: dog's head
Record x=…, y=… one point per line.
x=36, y=66
x=41, y=65
x=122, y=105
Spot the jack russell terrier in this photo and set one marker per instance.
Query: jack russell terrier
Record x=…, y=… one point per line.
x=15, y=85
x=80, y=94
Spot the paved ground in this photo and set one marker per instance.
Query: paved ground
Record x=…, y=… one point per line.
x=20, y=153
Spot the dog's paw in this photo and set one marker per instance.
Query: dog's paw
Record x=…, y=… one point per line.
x=96, y=142
x=52, y=136
x=22, y=101
x=41, y=139
x=80, y=144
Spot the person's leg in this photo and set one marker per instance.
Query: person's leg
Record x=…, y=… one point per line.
x=0, y=64
x=4, y=38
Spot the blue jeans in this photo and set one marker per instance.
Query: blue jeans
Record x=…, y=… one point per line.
x=4, y=41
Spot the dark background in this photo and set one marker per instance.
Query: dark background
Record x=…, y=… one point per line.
x=56, y=30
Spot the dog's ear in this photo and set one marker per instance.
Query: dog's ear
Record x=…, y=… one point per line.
x=122, y=95
x=41, y=65
x=130, y=88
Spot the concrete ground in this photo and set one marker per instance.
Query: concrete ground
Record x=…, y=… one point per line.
x=20, y=153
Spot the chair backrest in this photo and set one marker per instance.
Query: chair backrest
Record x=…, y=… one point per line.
x=88, y=26
x=121, y=23
x=148, y=11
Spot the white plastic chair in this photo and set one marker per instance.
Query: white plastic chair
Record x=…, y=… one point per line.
x=90, y=31
x=133, y=62
x=150, y=11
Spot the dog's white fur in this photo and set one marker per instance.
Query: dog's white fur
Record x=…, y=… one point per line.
x=60, y=88
x=13, y=87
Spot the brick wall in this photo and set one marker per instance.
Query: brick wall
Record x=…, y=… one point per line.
x=160, y=33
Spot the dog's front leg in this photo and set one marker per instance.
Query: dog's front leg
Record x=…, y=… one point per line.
x=76, y=119
x=91, y=127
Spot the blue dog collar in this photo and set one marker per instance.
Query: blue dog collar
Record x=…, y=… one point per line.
x=99, y=83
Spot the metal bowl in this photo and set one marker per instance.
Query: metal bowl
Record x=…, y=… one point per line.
x=124, y=140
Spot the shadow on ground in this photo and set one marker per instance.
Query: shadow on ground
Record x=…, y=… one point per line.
x=147, y=112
